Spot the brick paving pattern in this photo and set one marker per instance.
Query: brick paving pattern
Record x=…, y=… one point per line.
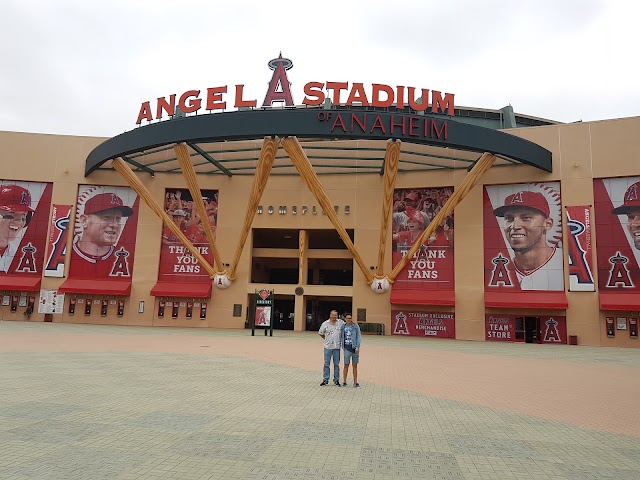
x=102, y=402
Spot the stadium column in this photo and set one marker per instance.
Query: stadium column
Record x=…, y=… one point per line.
x=483, y=164
x=299, y=314
x=301, y=162
x=134, y=182
x=263, y=170
x=391, y=158
x=184, y=159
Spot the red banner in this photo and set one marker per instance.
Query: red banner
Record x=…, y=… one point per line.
x=617, y=209
x=523, y=237
x=24, y=217
x=105, y=229
x=579, y=249
x=423, y=324
x=263, y=316
x=516, y=328
x=432, y=267
x=177, y=264
x=57, y=245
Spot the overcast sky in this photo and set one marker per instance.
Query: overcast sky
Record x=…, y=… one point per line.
x=84, y=67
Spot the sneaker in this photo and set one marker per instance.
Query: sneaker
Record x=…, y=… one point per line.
x=356, y=385
x=324, y=382
x=337, y=383
x=344, y=384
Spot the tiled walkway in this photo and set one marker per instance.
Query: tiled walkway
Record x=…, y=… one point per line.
x=99, y=402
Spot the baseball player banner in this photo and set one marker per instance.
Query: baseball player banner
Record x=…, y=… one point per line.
x=104, y=241
x=57, y=244
x=523, y=237
x=617, y=209
x=24, y=217
x=177, y=264
x=502, y=328
x=579, y=249
x=423, y=324
x=432, y=266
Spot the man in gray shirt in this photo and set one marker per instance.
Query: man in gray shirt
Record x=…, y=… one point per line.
x=332, y=331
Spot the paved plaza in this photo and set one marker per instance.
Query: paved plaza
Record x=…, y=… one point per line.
x=105, y=402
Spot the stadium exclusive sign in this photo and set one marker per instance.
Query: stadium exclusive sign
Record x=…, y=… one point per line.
x=279, y=91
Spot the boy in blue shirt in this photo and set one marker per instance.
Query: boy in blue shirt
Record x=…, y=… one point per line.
x=351, y=345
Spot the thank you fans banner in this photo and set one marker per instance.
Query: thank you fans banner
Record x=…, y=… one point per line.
x=579, y=249
x=432, y=266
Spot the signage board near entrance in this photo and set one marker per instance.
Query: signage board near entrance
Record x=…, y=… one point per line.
x=263, y=311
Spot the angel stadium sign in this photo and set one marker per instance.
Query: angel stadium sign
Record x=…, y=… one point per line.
x=316, y=93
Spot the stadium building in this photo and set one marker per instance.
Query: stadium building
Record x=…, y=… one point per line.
x=421, y=217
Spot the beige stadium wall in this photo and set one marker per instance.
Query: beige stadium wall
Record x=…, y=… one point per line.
x=581, y=152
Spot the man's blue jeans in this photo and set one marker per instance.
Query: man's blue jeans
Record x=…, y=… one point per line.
x=328, y=355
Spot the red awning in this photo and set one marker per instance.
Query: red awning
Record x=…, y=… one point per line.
x=98, y=287
x=619, y=301
x=555, y=300
x=25, y=284
x=168, y=289
x=422, y=297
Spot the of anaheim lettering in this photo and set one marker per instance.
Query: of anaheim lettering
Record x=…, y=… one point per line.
x=315, y=94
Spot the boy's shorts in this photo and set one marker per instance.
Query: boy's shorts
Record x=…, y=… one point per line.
x=349, y=355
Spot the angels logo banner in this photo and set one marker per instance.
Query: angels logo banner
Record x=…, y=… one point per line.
x=579, y=249
x=423, y=324
x=57, y=245
x=177, y=264
x=617, y=210
x=523, y=237
x=104, y=240
x=24, y=220
x=432, y=266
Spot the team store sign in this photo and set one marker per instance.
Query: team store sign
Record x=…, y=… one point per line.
x=502, y=328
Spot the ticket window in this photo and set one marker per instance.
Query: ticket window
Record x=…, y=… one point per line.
x=611, y=329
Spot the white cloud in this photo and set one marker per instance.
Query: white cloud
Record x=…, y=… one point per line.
x=84, y=68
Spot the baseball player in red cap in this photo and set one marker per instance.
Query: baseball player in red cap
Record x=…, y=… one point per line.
x=415, y=226
x=526, y=223
x=400, y=218
x=631, y=208
x=15, y=213
x=101, y=222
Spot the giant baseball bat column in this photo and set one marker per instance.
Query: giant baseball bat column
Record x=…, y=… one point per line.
x=184, y=159
x=302, y=164
x=391, y=158
x=263, y=170
x=482, y=165
x=134, y=182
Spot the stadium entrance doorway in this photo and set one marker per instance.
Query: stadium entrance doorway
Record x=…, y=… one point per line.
x=318, y=309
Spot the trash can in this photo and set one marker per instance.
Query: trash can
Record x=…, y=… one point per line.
x=573, y=339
